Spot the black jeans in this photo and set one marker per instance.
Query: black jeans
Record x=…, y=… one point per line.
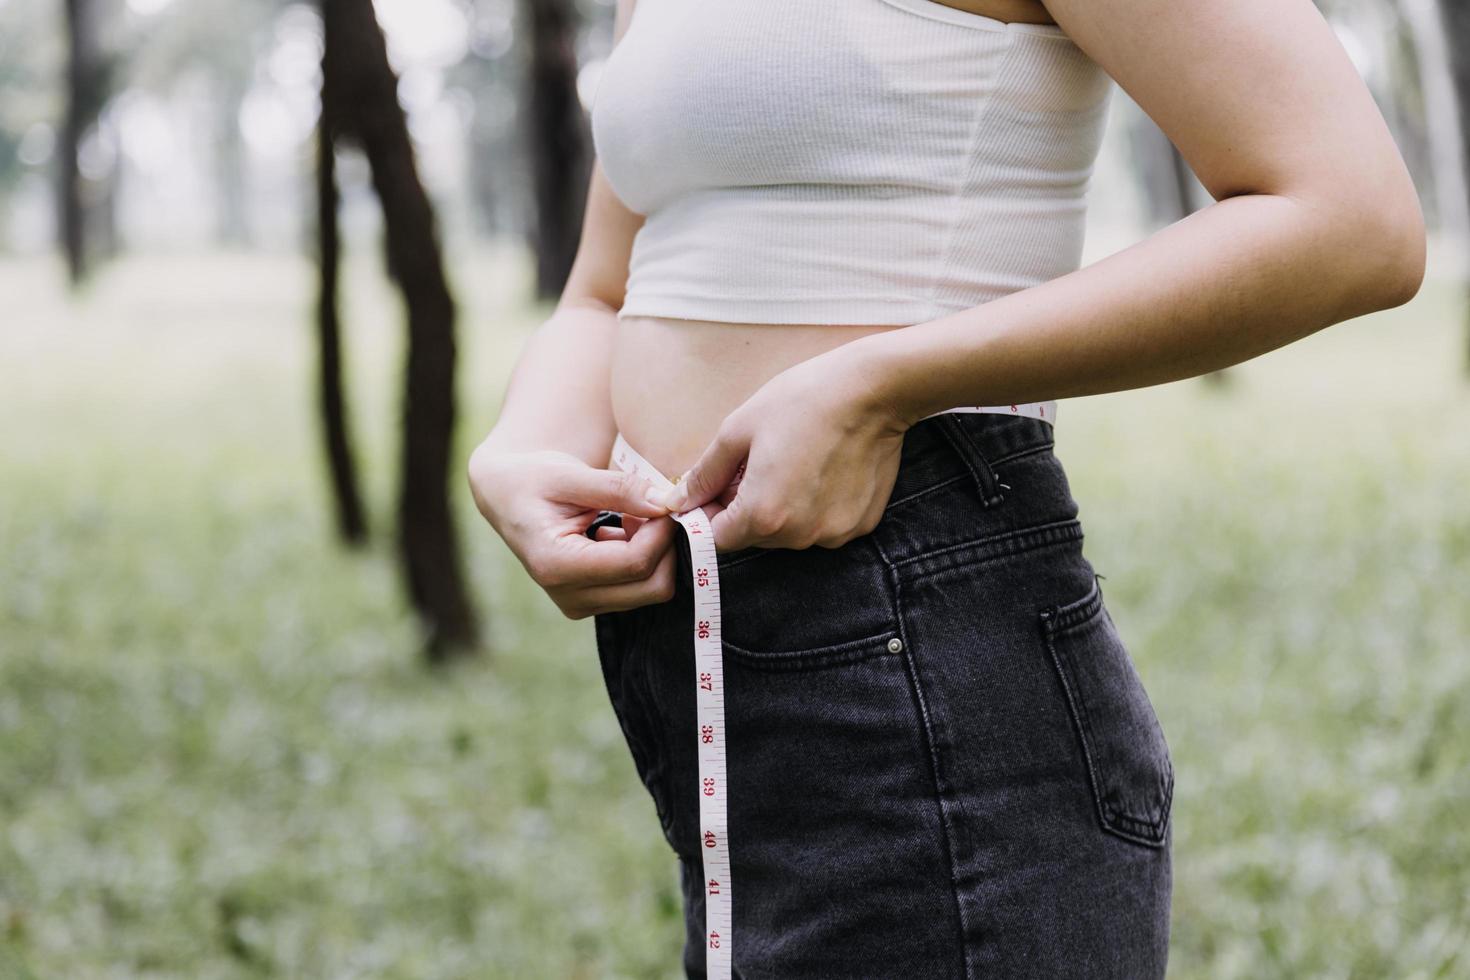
x=942, y=763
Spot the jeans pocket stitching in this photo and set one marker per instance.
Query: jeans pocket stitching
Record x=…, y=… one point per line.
x=815, y=627
x=922, y=491
x=944, y=799
x=1058, y=621
x=812, y=658
x=1002, y=544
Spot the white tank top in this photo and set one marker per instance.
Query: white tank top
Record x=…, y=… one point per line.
x=844, y=161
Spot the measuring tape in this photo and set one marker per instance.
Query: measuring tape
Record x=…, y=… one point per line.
x=710, y=679
x=1046, y=411
x=714, y=838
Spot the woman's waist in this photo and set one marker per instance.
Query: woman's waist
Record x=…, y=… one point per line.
x=673, y=381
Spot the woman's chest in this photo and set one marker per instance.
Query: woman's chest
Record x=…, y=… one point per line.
x=726, y=94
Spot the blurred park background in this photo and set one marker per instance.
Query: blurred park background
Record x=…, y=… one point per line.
x=274, y=701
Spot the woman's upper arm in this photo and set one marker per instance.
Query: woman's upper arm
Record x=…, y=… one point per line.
x=1260, y=97
x=599, y=274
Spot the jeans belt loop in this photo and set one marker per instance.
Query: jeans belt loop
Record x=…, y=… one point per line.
x=987, y=484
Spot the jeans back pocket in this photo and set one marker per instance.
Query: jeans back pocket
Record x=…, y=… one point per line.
x=1128, y=761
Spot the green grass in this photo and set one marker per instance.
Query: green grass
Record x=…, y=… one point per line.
x=221, y=757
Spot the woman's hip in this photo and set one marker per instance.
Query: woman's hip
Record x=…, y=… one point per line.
x=936, y=721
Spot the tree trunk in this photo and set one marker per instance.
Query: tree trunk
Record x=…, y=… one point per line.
x=558, y=140
x=1442, y=130
x=499, y=184
x=84, y=81
x=232, y=227
x=357, y=57
x=351, y=522
x=1455, y=14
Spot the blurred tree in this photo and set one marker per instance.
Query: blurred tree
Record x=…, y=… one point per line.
x=351, y=520
x=221, y=41
x=491, y=77
x=31, y=62
x=1432, y=80
x=364, y=108
x=87, y=72
x=232, y=228
x=1455, y=15
x=558, y=138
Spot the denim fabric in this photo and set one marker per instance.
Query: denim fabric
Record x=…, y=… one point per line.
x=989, y=796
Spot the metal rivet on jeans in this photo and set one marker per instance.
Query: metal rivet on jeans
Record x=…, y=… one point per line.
x=895, y=645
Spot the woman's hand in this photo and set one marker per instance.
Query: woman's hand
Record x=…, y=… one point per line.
x=809, y=459
x=542, y=502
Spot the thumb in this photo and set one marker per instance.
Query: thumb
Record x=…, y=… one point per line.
x=711, y=473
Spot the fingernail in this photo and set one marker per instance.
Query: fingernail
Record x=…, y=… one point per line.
x=676, y=496
x=656, y=497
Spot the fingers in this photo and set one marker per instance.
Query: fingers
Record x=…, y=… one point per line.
x=657, y=587
x=618, y=490
x=747, y=522
x=782, y=520
x=712, y=473
x=577, y=561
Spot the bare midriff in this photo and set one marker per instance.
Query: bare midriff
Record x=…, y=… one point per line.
x=673, y=380
x=1021, y=11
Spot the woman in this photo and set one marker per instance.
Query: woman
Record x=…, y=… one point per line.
x=814, y=229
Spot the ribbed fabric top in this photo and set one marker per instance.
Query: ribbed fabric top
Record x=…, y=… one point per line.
x=844, y=161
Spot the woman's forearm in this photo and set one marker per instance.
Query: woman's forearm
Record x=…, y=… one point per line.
x=558, y=394
x=1244, y=276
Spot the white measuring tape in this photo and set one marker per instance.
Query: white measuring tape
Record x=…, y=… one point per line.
x=714, y=838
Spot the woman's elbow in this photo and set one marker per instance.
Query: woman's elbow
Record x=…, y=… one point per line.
x=1393, y=248
x=1369, y=245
